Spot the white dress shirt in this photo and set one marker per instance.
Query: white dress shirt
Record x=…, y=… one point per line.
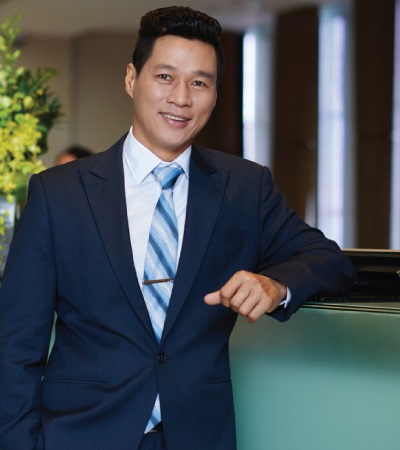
x=142, y=191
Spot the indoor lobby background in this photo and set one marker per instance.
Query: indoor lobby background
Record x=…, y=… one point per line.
x=313, y=90
x=320, y=103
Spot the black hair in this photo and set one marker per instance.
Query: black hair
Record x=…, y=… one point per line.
x=77, y=151
x=177, y=21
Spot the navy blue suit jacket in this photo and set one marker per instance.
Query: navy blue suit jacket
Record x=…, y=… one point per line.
x=71, y=254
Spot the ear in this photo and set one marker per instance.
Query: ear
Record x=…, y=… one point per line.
x=130, y=79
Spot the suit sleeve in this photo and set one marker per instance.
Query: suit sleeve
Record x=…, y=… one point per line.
x=27, y=299
x=296, y=254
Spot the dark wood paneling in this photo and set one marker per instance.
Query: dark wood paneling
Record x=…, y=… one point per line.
x=296, y=106
x=374, y=38
x=224, y=130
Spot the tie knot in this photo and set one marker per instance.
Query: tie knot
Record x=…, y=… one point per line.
x=167, y=175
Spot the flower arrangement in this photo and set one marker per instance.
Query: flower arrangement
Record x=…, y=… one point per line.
x=27, y=112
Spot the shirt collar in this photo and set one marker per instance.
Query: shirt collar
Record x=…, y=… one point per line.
x=141, y=161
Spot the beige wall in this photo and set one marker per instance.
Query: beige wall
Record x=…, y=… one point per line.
x=90, y=83
x=102, y=110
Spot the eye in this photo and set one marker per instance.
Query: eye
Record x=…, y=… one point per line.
x=164, y=76
x=199, y=83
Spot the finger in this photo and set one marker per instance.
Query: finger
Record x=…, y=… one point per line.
x=245, y=291
x=214, y=298
x=245, y=306
x=230, y=288
x=252, y=301
x=258, y=311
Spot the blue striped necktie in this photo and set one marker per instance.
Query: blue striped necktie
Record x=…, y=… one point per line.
x=160, y=260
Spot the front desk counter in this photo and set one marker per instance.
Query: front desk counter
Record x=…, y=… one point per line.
x=328, y=379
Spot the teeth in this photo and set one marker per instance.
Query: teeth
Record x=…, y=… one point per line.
x=179, y=119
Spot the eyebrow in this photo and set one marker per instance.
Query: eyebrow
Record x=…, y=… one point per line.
x=199, y=72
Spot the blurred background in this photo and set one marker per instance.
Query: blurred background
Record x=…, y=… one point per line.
x=311, y=88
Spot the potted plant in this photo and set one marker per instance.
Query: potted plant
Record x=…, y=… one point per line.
x=28, y=110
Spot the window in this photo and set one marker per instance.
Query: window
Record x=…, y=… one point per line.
x=258, y=46
x=395, y=191
x=335, y=194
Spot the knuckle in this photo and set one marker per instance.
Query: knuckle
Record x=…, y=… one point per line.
x=225, y=302
x=243, y=310
x=243, y=275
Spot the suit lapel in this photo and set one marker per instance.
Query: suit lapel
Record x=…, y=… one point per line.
x=104, y=184
x=206, y=190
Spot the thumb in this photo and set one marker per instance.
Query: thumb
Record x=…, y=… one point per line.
x=214, y=298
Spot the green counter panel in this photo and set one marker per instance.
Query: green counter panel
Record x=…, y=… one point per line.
x=324, y=380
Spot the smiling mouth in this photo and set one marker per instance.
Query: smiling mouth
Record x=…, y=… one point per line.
x=176, y=118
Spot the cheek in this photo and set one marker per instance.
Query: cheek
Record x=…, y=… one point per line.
x=210, y=104
x=146, y=94
x=206, y=110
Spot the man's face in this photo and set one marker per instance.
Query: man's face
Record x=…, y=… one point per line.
x=174, y=95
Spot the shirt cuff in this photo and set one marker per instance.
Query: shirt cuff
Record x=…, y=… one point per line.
x=285, y=302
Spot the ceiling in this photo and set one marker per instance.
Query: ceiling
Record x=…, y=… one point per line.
x=74, y=17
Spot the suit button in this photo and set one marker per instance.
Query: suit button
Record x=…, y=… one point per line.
x=161, y=358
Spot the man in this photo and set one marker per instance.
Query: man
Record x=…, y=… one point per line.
x=131, y=369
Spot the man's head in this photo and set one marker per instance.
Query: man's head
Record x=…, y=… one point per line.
x=177, y=21
x=173, y=79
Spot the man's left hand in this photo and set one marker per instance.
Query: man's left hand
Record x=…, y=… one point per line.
x=249, y=294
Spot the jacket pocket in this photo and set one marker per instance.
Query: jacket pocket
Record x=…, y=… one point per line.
x=217, y=383
x=75, y=380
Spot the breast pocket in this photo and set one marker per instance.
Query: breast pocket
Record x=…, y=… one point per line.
x=228, y=237
x=225, y=251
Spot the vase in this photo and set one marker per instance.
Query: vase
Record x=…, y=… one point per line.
x=8, y=211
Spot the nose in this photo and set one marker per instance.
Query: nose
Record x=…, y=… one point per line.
x=180, y=94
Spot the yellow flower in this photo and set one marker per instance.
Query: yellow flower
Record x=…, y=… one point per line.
x=28, y=101
x=27, y=112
